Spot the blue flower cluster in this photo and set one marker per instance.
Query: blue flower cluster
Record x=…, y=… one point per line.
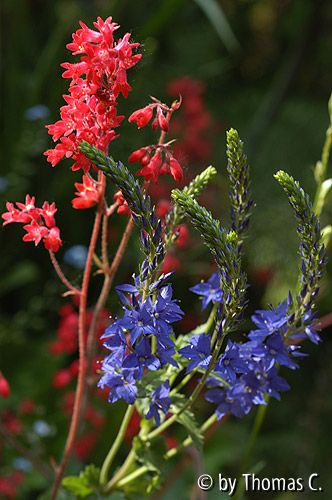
x=247, y=372
x=129, y=339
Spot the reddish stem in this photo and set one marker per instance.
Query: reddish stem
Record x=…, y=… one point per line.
x=81, y=343
x=106, y=288
x=61, y=275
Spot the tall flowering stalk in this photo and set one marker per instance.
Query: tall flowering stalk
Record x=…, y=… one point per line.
x=146, y=364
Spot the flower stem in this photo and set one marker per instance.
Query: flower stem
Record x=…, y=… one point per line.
x=167, y=423
x=116, y=445
x=82, y=348
x=109, y=276
x=168, y=455
x=322, y=168
x=258, y=422
x=61, y=275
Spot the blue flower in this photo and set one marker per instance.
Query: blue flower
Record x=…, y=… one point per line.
x=76, y=256
x=199, y=351
x=37, y=112
x=231, y=362
x=209, y=290
x=121, y=381
x=160, y=402
x=269, y=321
x=234, y=401
x=139, y=321
x=141, y=358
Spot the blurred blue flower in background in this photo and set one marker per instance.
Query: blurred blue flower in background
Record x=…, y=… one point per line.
x=42, y=428
x=21, y=463
x=76, y=256
x=38, y=112
x=3, y=184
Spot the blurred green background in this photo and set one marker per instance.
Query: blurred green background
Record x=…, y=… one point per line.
x=266, y=69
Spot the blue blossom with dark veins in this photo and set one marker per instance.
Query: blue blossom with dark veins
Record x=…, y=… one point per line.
x=141, y=358
x=160, y=402
x=139, y=322
x=165, y=310
x=198, y=351
x=230, y=364
x=209, y=290
x=121, y=382
x=231, y=401
x=166, y=350
x=278, y=351
x=269, y=321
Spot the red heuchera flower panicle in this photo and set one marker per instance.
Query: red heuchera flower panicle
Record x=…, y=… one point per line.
x=194, y=125
x=87, y=193
x=67, y=332
x=4, y=387
x=39, y=222
x=156, y=159
x=10, y=483
x=99, y=77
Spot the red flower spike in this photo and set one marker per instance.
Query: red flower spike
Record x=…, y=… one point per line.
x=90, y=112
x=4, y=387
x=87, y=193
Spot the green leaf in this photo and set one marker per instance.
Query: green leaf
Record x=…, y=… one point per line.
x=187, y=420
x=215, y=14
x=83, y=485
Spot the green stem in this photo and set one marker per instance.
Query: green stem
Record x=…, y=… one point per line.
x=116, y=445
x=321, y=169
x=193, y=396
x=208, y=325
x=169, y=454
x=258, y=422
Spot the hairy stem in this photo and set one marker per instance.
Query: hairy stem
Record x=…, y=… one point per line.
x=82, y=348
x=61, y=275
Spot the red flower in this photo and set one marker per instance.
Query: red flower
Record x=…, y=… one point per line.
x=27, y=406
x=90, y=112
x=4, y=387
x=39, y=222
x=175, y=169
x=162, y=208
x=9, y=484
x=142, y=116
x=84, y=445
x=123, y=207
x=183, y=236
x=62, y=378
x=53, y=241
x=87, y=193
x=171, y=263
